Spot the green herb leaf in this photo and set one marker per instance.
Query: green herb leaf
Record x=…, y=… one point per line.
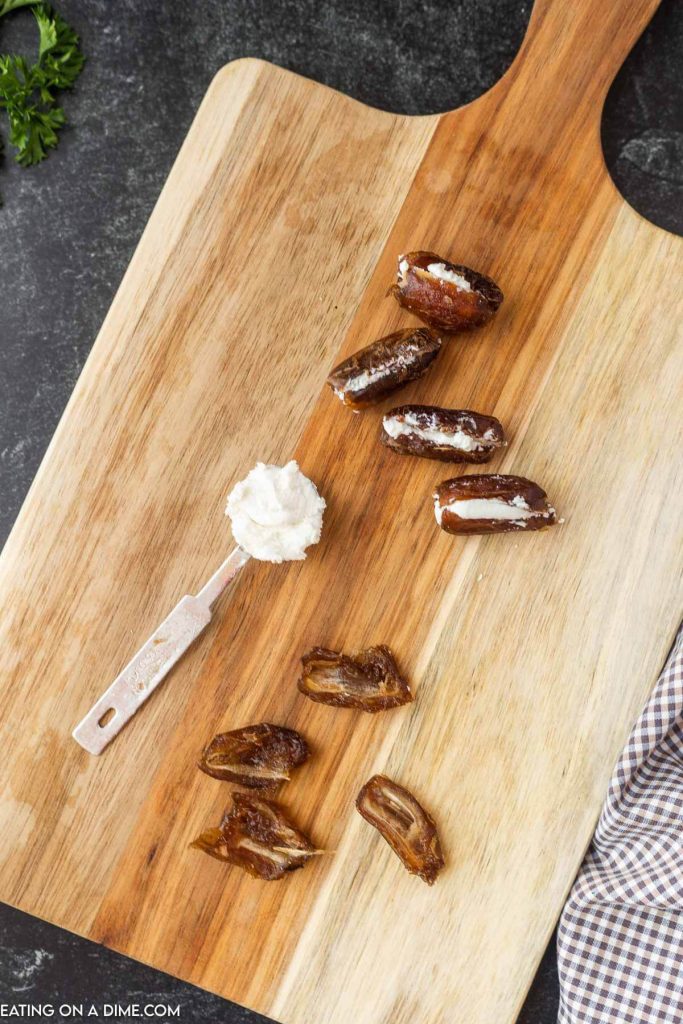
x=27, y=92
x=60, y=59
x=11, y=5
x=48, y=31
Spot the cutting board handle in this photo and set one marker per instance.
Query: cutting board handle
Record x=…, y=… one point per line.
x=571, y=53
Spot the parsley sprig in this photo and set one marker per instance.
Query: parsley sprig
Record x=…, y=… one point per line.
x=28, y=91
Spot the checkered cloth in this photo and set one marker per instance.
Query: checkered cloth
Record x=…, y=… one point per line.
x=620, y=944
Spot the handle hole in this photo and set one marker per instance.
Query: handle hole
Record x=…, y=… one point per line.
x=106, y=717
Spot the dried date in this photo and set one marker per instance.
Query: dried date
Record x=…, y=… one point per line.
x=491, y=503
x=447, y=296
x=368, y=681
x=212, y=841
x=257, y=836
x=386, y=365
x=256, y=756
x=402, y=821
x=450, y=435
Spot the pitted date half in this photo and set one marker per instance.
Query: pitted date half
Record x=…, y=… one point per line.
x=447, y=296
x=491, y=503
x=386, y=365
x=450, y=435
x=368, y=681
x=404, y=823
x=256, y=756
x=257, y=836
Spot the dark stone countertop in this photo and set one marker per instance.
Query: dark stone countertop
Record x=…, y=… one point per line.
x=70, y=225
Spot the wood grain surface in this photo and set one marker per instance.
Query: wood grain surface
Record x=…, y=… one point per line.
x=267, y=257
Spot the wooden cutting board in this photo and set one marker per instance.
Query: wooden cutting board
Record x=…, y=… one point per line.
x=265, y=260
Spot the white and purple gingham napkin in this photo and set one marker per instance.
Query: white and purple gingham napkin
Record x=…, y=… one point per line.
x=620, y=942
